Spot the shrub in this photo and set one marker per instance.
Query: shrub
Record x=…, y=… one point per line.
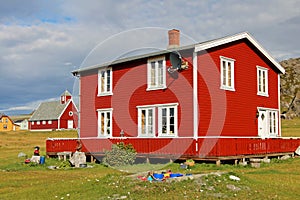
x=119, y=155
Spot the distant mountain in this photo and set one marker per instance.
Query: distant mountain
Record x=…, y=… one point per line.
x=290, y=88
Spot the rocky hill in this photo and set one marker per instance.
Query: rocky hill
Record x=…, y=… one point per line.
x=290, y=88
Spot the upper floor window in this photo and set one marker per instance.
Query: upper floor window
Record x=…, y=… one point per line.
x=104, y=122
x=105, y=81
x=156, y=73
x=262, y=81
x=227, y=73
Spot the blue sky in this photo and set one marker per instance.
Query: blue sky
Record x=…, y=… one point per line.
x=41, y=42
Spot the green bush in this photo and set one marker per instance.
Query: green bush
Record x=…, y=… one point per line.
x=120, y=154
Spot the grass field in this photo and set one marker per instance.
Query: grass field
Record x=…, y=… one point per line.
x=277, y=180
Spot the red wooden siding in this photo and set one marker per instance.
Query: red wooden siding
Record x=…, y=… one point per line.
x=65, y=117
x=207, y=147
x=88, y=114
x=42, y=126
x=235, y=114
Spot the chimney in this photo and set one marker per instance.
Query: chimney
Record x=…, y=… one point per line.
x=174, y=38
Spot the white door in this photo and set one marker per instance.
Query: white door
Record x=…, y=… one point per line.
x=70, y=124
x=263, y=124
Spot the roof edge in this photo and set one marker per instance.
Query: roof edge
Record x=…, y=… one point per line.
x=239, y=36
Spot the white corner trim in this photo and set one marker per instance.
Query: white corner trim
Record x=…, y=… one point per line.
x=195, y=95
x=239, y=36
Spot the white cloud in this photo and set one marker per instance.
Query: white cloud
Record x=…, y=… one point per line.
x=41, y=42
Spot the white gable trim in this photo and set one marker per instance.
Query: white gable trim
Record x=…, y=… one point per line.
x=244, y=35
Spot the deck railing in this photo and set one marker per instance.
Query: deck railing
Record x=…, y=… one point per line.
x=201, y=147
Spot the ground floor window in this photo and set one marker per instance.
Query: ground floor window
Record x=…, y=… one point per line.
x=268, y=122
x=161, y=117
x=104, y=122
x=146, y=122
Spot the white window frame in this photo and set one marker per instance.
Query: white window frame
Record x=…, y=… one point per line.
x=107, y=130
x=167, y=132
x=262, y=81
x=103, y=89
x=273, y=122
x=158, y=83
x=226, y=84
x=149, y=123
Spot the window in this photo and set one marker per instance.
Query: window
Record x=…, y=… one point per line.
x=4, y=126
x=38, y=122
x=227, y=73
x=104, y=122
x=105, y=82
x=167, y=117
x=156, y=73
x=273, y=121
x=43, y=122
x=32, y=123
x=164, y=115
x=50, y=122
x=146, y=122
x=262, y=81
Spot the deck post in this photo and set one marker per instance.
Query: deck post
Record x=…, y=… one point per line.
x=218, y=162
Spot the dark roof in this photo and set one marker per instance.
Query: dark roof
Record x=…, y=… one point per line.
x=48, y=111
x=197, y=47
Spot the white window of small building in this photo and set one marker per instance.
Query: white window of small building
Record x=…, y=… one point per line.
x=105, y=122
x=156, y=73
x=38, y=123
x=167, y=121
x=262, y=81
x=49, y=121
x=227, y=73
x=105, y=81
x=146, y=118
x=43, y=122
x=32, y=123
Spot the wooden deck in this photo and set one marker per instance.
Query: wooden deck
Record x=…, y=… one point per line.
x=219, y=150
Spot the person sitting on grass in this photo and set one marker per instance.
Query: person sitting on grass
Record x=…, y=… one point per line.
x=150, y=177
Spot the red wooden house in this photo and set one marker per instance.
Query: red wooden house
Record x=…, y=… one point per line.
x=210, y=99
x=55, y=115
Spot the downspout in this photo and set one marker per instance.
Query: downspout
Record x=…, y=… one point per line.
x=279, y=110
x=195, y=99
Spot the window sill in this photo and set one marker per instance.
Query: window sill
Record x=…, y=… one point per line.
x=156, y=88
x=263, y=94
x=105, y=94
x=227, y=88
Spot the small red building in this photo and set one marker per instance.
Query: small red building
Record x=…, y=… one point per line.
x=216, y=98
x=55, y=115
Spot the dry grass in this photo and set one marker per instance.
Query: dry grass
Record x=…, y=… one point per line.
x=278, y=180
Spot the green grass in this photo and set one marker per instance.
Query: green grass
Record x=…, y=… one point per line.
x=277, y=180
x=291, y=128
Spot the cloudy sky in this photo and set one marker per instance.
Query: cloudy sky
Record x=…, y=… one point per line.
x=41, y=41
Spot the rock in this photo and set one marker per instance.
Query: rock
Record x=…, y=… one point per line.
x=233, y=188
x=285, y=157
x=255, y=164
x=21, y=154
x=298, y=151
x=234, y=178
